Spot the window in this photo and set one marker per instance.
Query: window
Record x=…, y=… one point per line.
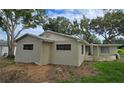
x=28, y=47
x=104, y=49
x=63, y=47
x=82, y=49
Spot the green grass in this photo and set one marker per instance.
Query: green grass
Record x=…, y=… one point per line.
x=6, y=61
x=108, y=72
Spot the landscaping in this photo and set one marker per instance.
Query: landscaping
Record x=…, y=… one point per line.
x=88, y=72
x=121, y=51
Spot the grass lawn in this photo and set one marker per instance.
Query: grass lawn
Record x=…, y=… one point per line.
x=108, y=72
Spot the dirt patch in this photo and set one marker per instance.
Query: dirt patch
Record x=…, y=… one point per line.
x=48, y=73
x=86, y=69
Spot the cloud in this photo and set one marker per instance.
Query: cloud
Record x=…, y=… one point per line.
x=75, y=13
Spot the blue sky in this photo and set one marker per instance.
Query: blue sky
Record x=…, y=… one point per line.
x=71, y=14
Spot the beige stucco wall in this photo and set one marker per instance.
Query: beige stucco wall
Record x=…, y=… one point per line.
x=56, y=37
x=28, y=56
x=100, y=58
x=80, y=55
x=46, y=53
x=64, y=57
x=0, y=51
x=3, y=50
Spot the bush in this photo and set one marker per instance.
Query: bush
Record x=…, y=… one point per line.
x=121, y=51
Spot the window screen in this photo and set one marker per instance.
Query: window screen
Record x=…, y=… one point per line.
x=28, y=47
x=63, y=47
x=104, y=49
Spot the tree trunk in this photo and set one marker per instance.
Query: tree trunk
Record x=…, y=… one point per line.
x=11, y=46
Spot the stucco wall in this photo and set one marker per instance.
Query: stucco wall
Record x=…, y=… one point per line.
x=80, y=55
x=28, y=56
x=3, y=50
x=65, y=57
x=0, y=51
x=56, y=37
x=100, y=58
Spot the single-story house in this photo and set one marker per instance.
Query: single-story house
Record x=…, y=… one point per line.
x=56, y=48
x=3, y=48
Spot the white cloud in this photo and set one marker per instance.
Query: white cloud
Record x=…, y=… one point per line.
x=78, y=13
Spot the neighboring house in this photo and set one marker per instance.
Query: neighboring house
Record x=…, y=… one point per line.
x=3, y=49
x=56, y=48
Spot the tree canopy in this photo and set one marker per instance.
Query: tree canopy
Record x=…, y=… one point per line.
x=14, y=21
x=109, y=26
x=63, y=25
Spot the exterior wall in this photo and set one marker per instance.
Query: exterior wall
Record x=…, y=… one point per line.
x=0, y=51
x=80, y=55
x=65, y=57
x=3, y=50
x=98, y=56
x=56, y=37
x=28, y=56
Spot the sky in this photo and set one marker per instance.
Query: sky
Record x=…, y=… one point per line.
x=71, y=14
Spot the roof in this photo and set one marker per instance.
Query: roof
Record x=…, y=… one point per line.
x=34, y=36
x=110, y=45
x=117, y=45
x=69, y=36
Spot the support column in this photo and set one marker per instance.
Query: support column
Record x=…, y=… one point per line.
x=0, y=50
x=84, y=50
x=98, y=51
x=91, y=49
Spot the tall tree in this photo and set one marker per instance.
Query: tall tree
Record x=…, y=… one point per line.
x=59, y=24
x=79, y=29
x=110, y=26
x=83, y=30
x=13, y=22
x=119, y=41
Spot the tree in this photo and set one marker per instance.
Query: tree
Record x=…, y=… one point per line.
x=59, y=24
x=110, y=26
x=83, y=30
x=12, y=20
x=80, y=29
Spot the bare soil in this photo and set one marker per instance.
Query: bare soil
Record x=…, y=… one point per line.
x=32, y=73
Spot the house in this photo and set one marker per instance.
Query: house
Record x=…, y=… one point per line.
x=3, y=48
x=101, y=52
x=56, y=48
